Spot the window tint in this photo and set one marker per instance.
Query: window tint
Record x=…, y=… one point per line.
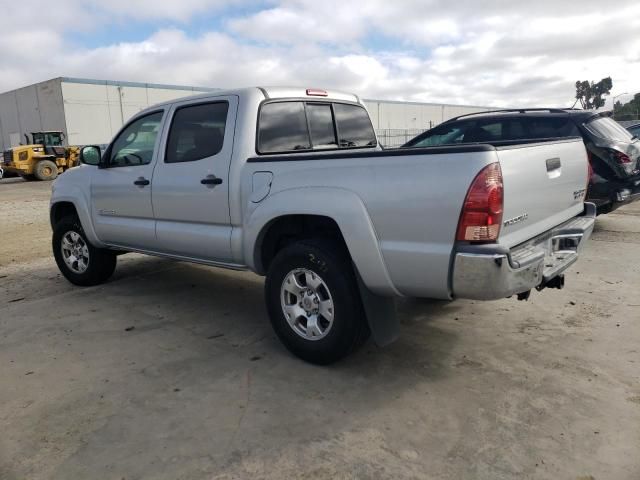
x=546, y=127
x=321, y=128
x=197, y=132
x=354, y=126
x=483, y=132
x=135, y=144
x=605, y=127
x=283, y=128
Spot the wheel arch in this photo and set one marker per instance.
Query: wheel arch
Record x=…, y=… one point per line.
x=337, y=213
x=59, y=210
x=62, y=206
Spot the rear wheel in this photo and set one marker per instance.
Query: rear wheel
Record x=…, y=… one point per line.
x=46, y=170
x=80, y=262
x=314, y=303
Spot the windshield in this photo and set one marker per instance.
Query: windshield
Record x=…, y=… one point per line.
x=442, y=135
x=48, y=138
x=607, y=128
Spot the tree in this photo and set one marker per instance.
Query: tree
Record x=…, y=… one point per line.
x=629, y=110
x=591, y=94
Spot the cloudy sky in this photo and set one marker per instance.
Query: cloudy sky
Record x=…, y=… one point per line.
x=489, y=52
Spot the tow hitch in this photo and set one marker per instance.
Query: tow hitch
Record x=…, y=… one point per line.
x=555, y=282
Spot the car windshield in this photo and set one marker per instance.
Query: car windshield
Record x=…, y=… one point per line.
x=605, y=127
x=442, y=135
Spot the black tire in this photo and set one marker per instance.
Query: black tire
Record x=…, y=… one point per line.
x=46, y=170
x=333, y=265
x=101, y=263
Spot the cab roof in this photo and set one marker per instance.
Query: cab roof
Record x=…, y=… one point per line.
x=267, y=93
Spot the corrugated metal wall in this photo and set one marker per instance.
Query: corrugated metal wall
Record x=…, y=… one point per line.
x=30, y=109
x=96, y=110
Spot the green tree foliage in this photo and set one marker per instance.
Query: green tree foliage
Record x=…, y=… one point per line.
x=629, y=110
x=591, y=94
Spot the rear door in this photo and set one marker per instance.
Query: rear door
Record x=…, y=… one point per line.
x=544, y=185
x=121, y=192
x=191, y=180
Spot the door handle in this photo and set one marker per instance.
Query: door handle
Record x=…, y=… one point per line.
x=211, y=180
x=141, y=182
x=553, y=164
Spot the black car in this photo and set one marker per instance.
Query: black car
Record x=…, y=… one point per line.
x=614, y=152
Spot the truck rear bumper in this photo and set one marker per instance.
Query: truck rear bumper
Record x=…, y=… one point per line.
x=491, y=272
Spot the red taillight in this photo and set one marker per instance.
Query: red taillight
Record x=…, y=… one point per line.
x=620, y=157
x=482, y=210
x=315, y=92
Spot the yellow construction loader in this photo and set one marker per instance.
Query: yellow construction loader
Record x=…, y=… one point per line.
x=42, y=159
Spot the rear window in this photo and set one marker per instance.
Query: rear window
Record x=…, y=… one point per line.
x=321, y=129
x=605, y=127
x=292, y=126
x=283, y=128
x=354, y=126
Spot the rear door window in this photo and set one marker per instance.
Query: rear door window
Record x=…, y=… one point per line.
x=549, y=127
x=354, y=126
x=485, y=131
x=197, y=132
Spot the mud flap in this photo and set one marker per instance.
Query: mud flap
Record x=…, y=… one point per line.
x=381, y=314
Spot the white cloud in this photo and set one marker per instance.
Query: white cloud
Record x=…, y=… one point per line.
x=493, y=53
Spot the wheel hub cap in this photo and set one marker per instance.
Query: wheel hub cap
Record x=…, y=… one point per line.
x=75, y=252
x=307, y=304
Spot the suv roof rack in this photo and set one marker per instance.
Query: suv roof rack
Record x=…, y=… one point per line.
x=514, y=110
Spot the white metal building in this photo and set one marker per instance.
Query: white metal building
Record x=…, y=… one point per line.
x=92, y=111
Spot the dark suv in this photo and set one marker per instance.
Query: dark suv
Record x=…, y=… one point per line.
x=614, y=152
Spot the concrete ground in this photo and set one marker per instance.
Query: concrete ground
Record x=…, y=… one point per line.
x=171, y=371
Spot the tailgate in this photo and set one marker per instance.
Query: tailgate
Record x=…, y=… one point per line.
x=544, y=186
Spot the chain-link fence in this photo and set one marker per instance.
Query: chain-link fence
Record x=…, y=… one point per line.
x=396, y=137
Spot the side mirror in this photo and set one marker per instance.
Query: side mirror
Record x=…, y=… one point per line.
x=90, y=155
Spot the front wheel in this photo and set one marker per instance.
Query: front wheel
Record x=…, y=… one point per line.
x=80, y=262
x=46, y=170
x=314, y=303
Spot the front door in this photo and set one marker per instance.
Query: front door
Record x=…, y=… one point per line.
x=121, y=191
x=191, y=181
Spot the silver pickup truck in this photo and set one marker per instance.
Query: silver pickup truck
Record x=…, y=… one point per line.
x=292, y=184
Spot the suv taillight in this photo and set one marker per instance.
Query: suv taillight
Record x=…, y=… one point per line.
x=620, y=157
x=482, y=210
x=623, y=160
